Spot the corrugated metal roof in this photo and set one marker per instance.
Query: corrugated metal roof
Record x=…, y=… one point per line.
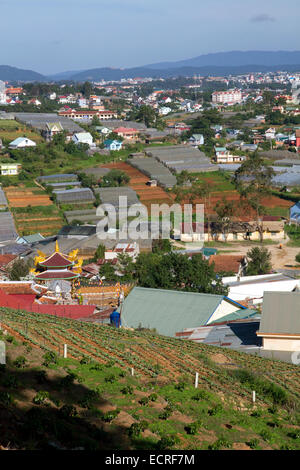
x=281, y=313
x=168, y=311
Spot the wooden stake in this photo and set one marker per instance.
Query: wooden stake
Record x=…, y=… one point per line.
x=196, y=379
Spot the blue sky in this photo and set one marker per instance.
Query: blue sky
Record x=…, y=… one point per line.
x=59, y=35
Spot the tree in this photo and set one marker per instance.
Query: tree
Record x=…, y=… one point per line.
x=260, y=261
x=87, y=89
x=19, y=269
x=161, y=245
x=96, y=121
x=177, y=272
x=115, y=178
x=125, y=266
x=99, y=253
x=297, y=258
x=253, y=181
x=108, y=272
x=225, y=211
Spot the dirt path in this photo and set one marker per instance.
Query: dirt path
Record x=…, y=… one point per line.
x=283, y=258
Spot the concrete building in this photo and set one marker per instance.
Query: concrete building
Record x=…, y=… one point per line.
x=280, y=321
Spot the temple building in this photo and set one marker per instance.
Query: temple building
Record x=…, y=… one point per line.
x=57, y=267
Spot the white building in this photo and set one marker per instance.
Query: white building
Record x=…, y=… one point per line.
x=21, y=142
x=227, y=97
x=83, y=138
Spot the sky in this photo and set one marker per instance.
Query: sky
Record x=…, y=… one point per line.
x=60, y=35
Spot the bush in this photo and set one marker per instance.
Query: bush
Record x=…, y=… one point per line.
x=144, y=401
x=180, y=386
x=85, y=360
x=253, y=444
x=201, y=395
x=41, y=376
x=193, y=428
x=68, y=411
x=153, y=397
x=5, y=398
x=166, y=443
x=128, y=390
x=20, y=362
x=110, y=378
x=41, y=397
x=221, y=442
x=165, y=414
x=89, y=398
x=10, y=382
x=137, y=428
x=216, y=410
x=50, y=358
x=110, y=415
x=297, y=258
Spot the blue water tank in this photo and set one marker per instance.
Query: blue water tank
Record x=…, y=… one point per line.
x=115, y=319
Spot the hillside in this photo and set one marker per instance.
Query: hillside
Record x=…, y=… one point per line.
x=91, y=400
x=15, y=74
x=235, y=59
x=220, y=63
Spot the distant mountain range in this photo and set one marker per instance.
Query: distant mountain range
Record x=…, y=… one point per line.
x=221, y=63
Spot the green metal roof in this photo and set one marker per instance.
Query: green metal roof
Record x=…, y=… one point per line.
x=238, y=315
x=168, y=311
x=281, y=313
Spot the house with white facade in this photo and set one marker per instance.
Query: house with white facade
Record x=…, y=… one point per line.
x=83, y=138
x=21, y=143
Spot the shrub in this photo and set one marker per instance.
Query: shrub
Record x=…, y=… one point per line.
x=110, y=415
x=144, y=401
x=180, y=386
x=89, y=398
x=41, y=376
x=201, y=395
x=20, y=362
x=216, y=410
x=128, y=390
x=110, y=378
x=10, y=382
x=97, y=366
x=221, y=442
x=253, y=444
x=193, y=428
x=5, y=398
x=9, y=339
x=50, y=358
x=166, y=443
x=165, y=414
x=85, y=360
x=137, y=428
x=41, y=397
x=153, y=397
x=68, y=411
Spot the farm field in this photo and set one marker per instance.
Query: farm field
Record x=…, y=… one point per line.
x=91, y=400
x=20, y=196
x=138, y=180
x=273, y=204
x=11, y=130
x=33, y=211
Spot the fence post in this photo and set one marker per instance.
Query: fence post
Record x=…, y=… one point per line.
x=196, y=379
x=132, y=371
x=65, y=351
x=253, y=396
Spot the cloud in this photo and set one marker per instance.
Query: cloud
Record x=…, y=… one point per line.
x=262, y=18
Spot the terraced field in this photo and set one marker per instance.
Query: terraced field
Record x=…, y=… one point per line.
x=96, y=403
x=33, y=211
x=147, y=195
